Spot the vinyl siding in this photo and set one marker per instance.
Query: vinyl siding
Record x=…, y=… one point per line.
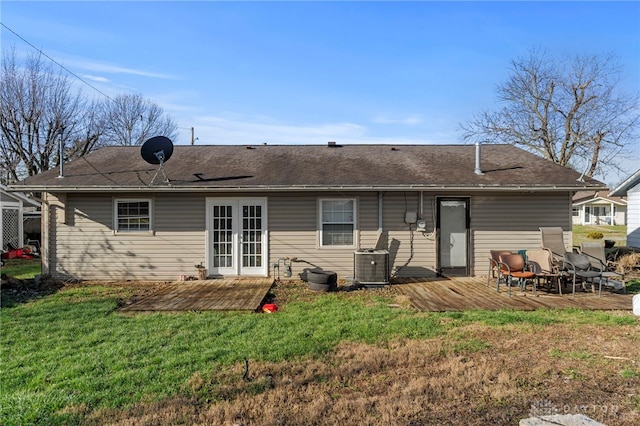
x=293, y=231
x=621, y=214
x=512, y=222
x=633, y=216
x=86, y=247
x=411, y=253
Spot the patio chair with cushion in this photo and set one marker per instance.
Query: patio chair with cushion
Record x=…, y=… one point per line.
x=494, y=266
x=539, y=261
x=598, y=260
x=513, y=266
x=578, y=266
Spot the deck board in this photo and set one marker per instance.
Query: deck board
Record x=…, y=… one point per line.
x=206, y=295
x=459, y=294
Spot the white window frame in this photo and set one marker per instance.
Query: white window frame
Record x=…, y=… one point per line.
x=353, y=222
x=116, y=227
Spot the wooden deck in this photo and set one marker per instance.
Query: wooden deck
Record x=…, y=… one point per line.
x=206, y=295
x=459, y=294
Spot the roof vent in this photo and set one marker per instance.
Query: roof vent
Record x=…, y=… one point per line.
x=478, y=169
x=332, y=144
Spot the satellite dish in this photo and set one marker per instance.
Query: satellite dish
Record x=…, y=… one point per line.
x=157, y=150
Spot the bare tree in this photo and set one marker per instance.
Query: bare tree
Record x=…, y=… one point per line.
x=567, y=111
x=38, y=108
x=130, y=119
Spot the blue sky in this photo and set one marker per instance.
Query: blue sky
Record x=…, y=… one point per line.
x=312, y=72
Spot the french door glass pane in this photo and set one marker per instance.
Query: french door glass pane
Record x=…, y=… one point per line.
x=251, y=236
x=222, y=237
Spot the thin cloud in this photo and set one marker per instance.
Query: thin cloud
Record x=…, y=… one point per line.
x=95, y=78
x=114, y=69
x=213, y=130
x=410, y=120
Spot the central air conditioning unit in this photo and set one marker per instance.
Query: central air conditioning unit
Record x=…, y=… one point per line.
x=371, y=267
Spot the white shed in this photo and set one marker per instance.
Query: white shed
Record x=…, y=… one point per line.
x=15, y=208
x=631, y=189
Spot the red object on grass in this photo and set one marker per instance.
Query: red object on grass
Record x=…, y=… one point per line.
x=269, y=308
x=17, y=254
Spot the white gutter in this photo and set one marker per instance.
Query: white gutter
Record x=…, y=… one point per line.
x=501, y=188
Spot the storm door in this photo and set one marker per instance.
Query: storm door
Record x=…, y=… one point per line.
x=453, y=236
x=236, y=242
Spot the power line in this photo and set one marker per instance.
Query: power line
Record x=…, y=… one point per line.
x=57, y=63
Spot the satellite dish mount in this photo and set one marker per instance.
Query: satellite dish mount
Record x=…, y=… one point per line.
x=157, y=150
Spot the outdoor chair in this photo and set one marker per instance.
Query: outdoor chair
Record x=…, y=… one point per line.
x=539, y=261
x=598, y=259
x=578, y=266
x=552, y=239
x=494, y=266
x=513, y=266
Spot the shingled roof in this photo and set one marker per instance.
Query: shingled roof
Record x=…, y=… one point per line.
x=300, y=167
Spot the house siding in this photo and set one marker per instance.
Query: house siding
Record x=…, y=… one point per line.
x=633, y=216
x=86, y=246
x=512, y=222
x=293, y=231
x=411, y=253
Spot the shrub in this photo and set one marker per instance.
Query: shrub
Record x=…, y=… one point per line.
x=595, y=235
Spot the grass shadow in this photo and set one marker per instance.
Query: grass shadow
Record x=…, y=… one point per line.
x=15, y=291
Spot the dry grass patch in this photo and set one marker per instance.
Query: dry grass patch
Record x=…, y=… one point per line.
x=476, y=375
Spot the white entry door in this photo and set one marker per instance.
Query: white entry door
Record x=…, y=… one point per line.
x=237, y=236
x=453, y=236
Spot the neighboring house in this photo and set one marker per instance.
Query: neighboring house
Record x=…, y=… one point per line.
x=20, y=218
x=239, y=210
x=598, y=208
x=631, y=189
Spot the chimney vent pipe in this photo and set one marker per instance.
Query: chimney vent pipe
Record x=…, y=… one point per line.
x=478, y=170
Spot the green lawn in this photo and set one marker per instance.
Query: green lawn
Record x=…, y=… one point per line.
x=66, y=355
x=73, y=349
x=617, y=233
x=22, y=268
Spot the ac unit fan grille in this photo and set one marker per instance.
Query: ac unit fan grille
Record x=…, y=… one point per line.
x=371, y=267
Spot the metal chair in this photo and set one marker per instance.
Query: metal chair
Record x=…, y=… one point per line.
x=552, y=239
x=539, y=261
x=598, y=259
x=513, y=266
x=579, y=267
x=494, y=266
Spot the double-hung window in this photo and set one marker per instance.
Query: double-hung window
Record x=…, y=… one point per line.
x=133, y=215
x=337, y=222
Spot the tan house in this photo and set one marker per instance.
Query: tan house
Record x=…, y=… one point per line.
x=240, y=210
x=598, y=208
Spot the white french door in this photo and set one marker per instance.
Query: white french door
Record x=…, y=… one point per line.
x=237, y=236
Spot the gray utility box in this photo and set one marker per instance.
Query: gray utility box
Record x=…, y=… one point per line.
x=371, y=267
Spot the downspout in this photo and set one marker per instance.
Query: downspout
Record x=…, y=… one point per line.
x=379, y=213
